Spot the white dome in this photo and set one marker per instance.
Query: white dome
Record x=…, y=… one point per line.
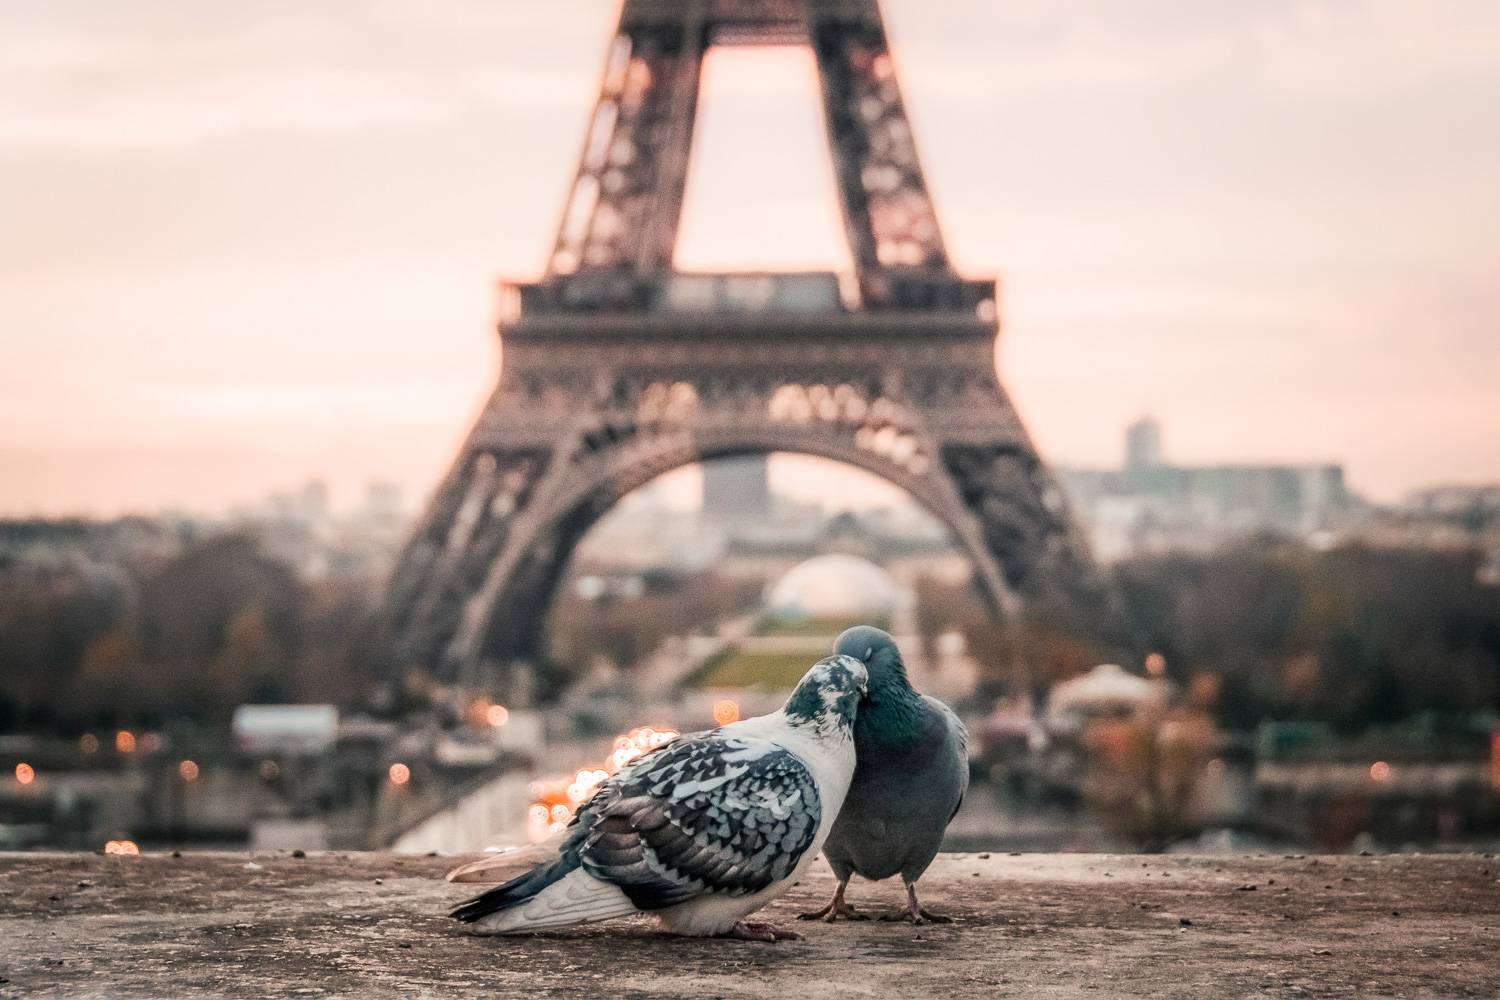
x=837, y=586
x=1105, y=685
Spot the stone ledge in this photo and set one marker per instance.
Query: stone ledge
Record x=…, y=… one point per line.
x=1027, y=925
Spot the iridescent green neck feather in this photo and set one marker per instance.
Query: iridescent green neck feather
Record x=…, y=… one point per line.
x=893, y=712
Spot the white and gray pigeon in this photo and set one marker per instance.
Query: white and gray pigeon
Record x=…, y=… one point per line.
x=912, y=772
x=704, y=831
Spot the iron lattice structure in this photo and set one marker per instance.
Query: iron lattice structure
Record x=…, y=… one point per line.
x=618, y=368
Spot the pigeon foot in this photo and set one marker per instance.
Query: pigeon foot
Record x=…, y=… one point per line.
x=835, y=909
x=746, y=930
x=919, y=916
x=915, y=912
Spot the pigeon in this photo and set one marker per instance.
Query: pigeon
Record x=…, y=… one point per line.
x=702, y=831
x=912, y=772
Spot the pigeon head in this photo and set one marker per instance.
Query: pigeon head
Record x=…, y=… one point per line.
x=877, y=651
x=829, y=694
x=892, y=711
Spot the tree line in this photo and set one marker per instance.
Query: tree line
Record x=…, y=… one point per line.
x=88, y=644
x=85, y=644
x=1355, y=636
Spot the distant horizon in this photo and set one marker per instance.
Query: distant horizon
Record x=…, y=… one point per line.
x=802, y=478
x=248, y=247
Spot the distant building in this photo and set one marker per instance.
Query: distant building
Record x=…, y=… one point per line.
x=1473, y=507
x=1449, y=518
x=298, y=527
x=836, y=586
x=301, y=528
x=284, y=729
x=904, y=547
x=737, y=490
x=40, y=543
x=306, y=508
x=647, y=530
x=1151, y=505
x=384, y=502
x=1143, y=445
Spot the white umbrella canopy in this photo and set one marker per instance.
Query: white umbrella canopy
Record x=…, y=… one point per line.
x=1106, y=686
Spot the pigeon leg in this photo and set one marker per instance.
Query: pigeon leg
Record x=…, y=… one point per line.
x=914, y=912
x=746, y=930
x=836, y=908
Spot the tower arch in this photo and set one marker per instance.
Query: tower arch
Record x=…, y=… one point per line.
x=618, y=368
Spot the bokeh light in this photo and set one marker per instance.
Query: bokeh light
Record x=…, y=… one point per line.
x=25, y=773
x=188, y=770
x=1380, y=771
x=400, y=774
x=484, y=712
x=125, y=741
x=554, y=801
x=726, y=711
x=123, y=848
x=88, y=743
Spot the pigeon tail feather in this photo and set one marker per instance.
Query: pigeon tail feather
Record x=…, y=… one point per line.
x=506, y=865
x=576, y=898
x=518, y=890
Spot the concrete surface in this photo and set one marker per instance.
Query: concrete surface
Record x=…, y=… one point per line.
x=1027, y=926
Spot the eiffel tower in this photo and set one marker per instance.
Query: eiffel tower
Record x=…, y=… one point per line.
x=619, y=368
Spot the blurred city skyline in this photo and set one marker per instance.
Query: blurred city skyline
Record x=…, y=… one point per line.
x=253, y=246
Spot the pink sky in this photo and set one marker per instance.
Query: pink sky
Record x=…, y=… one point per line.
x=246, y=244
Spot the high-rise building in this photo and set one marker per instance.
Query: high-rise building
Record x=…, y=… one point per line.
x=737, y=490
x=1150, y=504
x=1143, y=444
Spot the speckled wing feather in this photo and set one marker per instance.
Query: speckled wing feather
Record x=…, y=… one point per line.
x=705, y=814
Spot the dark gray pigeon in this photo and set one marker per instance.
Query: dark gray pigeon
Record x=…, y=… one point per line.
x=911, y=772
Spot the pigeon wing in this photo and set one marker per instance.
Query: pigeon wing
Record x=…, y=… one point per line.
x=958, y=749
x=703, y=815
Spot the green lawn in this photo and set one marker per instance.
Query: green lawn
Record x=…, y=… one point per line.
x=774, y=625
x=739, y=669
